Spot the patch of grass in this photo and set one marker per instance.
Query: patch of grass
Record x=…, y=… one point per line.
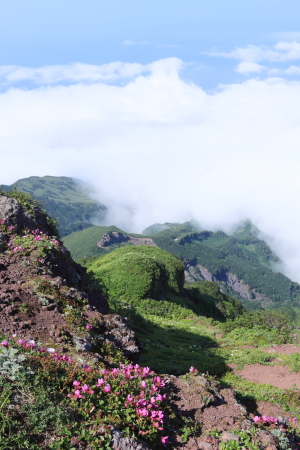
x=241, y=356
x=293, y=361
x=266, y=326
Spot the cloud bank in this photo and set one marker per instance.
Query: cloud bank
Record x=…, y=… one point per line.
x=159, y=149
x=251, y=55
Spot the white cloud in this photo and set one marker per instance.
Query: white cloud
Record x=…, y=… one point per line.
x=251, y=55
x=159, y=149
x=293, y=70
x=249, y=67
x=72, y=73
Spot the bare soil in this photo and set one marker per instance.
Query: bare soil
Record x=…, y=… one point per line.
x=278, y=376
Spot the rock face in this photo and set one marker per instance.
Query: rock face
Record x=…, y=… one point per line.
x=118, y=238
x=197, y=272
x=45, y=295
x=119, y=442
x=14, y=215
x=119, y=332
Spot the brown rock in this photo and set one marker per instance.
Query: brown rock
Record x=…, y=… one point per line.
x=204, y=445
x=266, y=437
x=226, y=436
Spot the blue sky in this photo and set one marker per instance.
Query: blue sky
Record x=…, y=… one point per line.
x=172, y=110
x=35, y=33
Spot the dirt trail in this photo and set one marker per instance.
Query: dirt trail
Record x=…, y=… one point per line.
x=287, y=349
x=277, y=376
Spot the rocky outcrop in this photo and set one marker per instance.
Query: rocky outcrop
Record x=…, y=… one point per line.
x=210, y=407
x=197, y=272
x=16, y=216
x=45, y=295
x=115, y=237
x=120, y=442
x=119, y=332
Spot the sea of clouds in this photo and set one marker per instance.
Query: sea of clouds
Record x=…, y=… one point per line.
x=160, y=149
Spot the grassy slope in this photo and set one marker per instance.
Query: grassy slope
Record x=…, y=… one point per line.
x=84, y=243
x=64, y=198
x=145, y=284
x=243, y=254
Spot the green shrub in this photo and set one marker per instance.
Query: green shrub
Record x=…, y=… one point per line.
x=264, y=321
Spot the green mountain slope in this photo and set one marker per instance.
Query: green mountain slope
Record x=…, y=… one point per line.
x=64, y=198
x=83, y=244
x=242, y=265
x=145, y=284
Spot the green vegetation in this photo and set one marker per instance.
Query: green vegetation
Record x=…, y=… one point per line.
x=265, y=322
x=136, y=272
x=65, y=199
x=145, y=284
x=83, y=244
x=244, y=256
x=49, y=401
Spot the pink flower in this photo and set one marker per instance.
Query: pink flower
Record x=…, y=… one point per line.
x=192, y=369
x=256, y=419
x=144, y=385
x=21, y=342
x=89, y=327
x=4, y=343
x=107, y=388
x=100, y=382
x=146, y=371
x=141, y=402
x=77, y=394
x=164, y=440
x=76, y=383
x=158, y=381
x=142, y=412
x=130, y=399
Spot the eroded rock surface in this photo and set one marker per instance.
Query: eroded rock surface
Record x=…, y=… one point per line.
x=116, y=237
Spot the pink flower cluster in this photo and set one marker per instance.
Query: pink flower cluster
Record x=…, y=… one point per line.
x=85, y=389
x=32, y=344
x=294, y=420
x=264, y=419
x=146, y=404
